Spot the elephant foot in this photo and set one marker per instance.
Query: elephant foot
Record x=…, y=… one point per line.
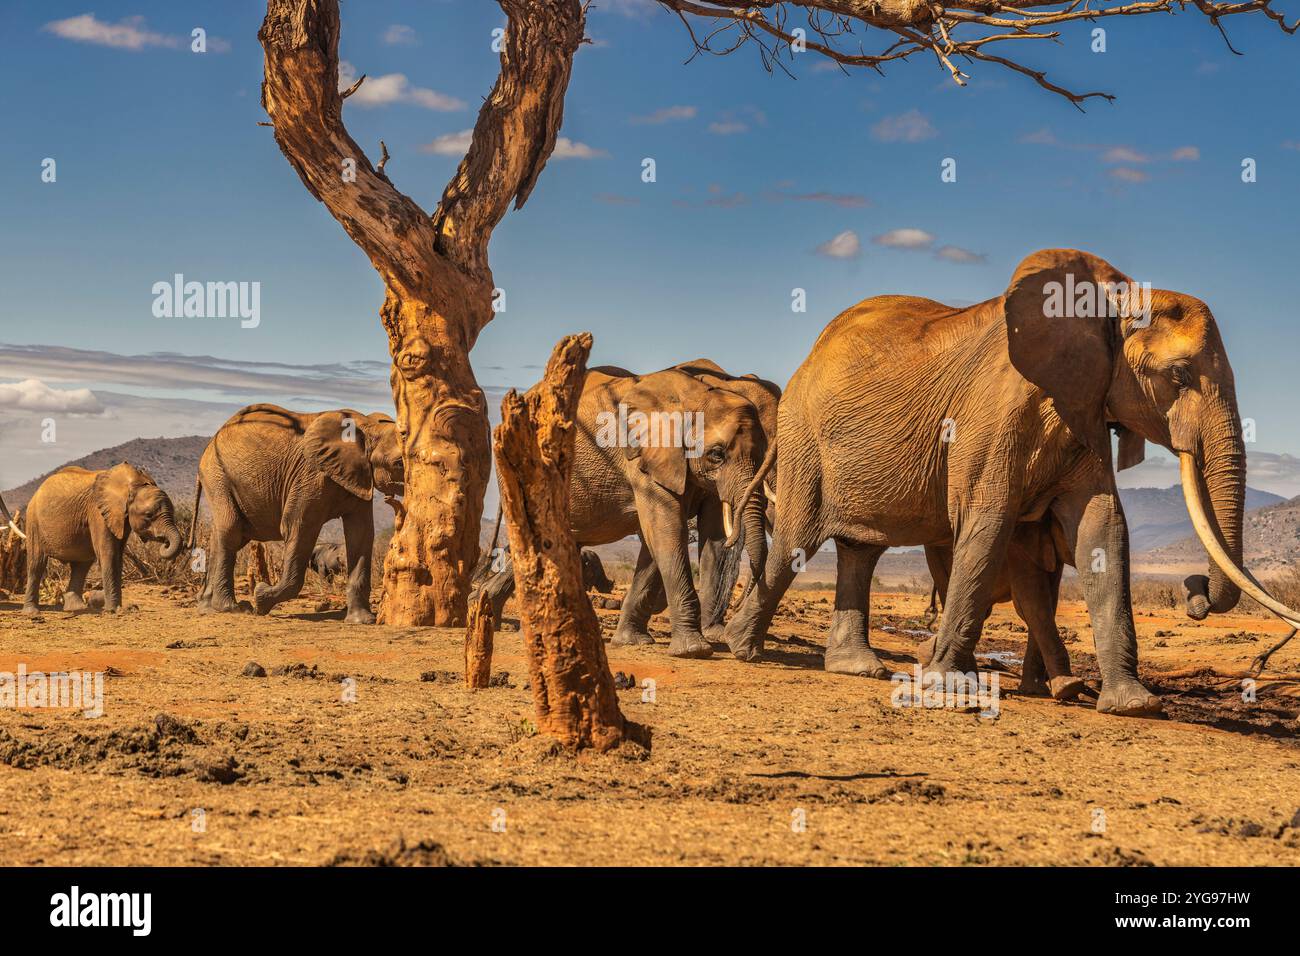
x=263, y=600
x=73, y=603
x=856, y=659
x=1127, y=698
x=360, y=615
x=716, y=633
x=1032, y=685
x=690, y=644
x=952, y=661
x=1066, y=687
x=629, y=638
x=742, y=645
x=94, y=600
x=33, y=611
x=925, y=650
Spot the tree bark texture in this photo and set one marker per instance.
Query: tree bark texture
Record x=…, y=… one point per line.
x=438, y=286
x=571, y=683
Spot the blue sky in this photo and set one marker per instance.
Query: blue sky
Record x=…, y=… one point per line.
x=162, y=168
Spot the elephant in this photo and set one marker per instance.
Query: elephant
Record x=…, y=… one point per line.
x=271, y=474
x=917, y=423
x=499, y=580
x=650, y=452
x=719, y=563
x=1031, y=580
x=81, y=516
x=327, y=560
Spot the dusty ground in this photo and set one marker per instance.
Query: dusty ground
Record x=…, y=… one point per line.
x=419, y=769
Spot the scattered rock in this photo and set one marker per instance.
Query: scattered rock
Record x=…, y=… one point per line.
x=223, y=770
x=624, y=681
x=323, y=606
x=169, y=726
x=253, y=669
x=301, y=671
x=424, y=853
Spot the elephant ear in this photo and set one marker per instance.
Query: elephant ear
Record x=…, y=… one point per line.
x=1064, y=342
x=1132, y=448
x=335, y=444
x=666, y=465
x=112, y=493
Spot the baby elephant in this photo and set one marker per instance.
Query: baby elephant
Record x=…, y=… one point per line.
x=80, y=516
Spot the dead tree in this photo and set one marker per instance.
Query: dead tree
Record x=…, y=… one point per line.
x=570, y=678
x=13, y=558
x=438, y=285
x=956, y=33
x=478, y=642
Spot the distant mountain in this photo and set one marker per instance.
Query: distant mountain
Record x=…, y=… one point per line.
x=1270, y=538
x=1158, y=516
x=173, y=463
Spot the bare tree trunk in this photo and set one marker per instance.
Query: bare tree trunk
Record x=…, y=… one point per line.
x=570, y=678
x=478, y=643
x=13, y=558
x=439, y=287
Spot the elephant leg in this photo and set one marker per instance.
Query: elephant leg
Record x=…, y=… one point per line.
x=297, y=552
x=110, y=571
x=1094, y=526
x=359, y=539
x=72, y=597
x=36, y=562
x=719, y=569
x=746, y=632
x=979, y=551
x=1047, y=664
x=664, y=531
x=848, y=647
x=939, y=560
x=223, y=548
x=638, y=603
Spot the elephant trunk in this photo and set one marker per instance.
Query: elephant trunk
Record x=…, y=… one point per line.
x=1223, y=470
x=755, y=534
x=172, y=541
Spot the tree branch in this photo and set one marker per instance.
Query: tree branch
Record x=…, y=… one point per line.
x=516, y=129
x=911, y=26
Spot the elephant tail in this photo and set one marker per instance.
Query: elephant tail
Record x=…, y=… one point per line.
x=755, y=483
x=194, y=518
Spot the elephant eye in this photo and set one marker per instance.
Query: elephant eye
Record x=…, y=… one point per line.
x=1181, y=374
x=716, y=455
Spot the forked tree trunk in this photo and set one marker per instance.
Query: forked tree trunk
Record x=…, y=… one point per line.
x=570, y=678
x=478, y=642
x=13, y=558
x=434, y=266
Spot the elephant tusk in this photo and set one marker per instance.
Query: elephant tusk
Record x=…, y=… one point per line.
x=767, y=490
x=16, y=530
x=1218, y=553
x=728, y=528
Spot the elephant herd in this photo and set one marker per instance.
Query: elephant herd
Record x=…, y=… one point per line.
x=982, y=434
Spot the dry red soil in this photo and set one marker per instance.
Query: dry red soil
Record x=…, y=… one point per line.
x=369, y=749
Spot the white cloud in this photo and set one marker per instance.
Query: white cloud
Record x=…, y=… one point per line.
x=1292, y=144
x=909, y=127
x=1185, y=153
x=1124, y=154
x=665, y=115
x=1040, y=137
x=727, y=127
x=450, y=144
x=905, y=239
x=958, y=254
x=844, y=246
x=33, y=395
x=566, y=148
x=394, y=88
x=129, y=33
x=1125, y=174
x=399, y=34
x=457, y=144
